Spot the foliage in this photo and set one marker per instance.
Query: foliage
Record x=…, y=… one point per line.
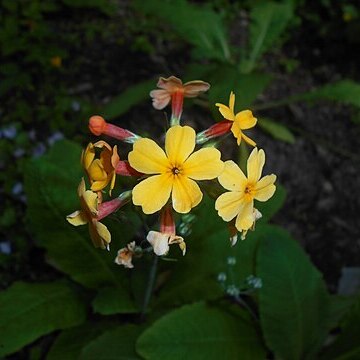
x=292, y=290
x=261, y=298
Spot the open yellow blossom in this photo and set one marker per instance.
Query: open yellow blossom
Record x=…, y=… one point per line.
x=241, y=121
x=99, y=233
x=239, y=200
x=173, y=170
x=101, y=171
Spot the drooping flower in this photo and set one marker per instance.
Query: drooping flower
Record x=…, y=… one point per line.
x=173, y=173
x=172, y=89
x=100, y=170
x=238, y=202
x=161, y=242
x=243, y=120
x=92, y=211
x=98, y=126
x=125, y=255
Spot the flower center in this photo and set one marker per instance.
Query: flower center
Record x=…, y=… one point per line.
x=175, y=171
x=249, y=192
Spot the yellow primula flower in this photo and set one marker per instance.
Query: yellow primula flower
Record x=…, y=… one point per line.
x=101, y=171
x=243, y=120
x=239, y=200
x=99, y=233
x=161, y=242
x=173, y=170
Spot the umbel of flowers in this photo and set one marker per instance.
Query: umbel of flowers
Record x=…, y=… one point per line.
x=168, y=177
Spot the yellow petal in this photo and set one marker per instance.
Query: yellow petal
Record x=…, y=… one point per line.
x=265, y=188
x=112, y=181
x=232, y=102
x=245, y=219
x=96, y=171
x=81, y=188
x=99, y=234
x=186, y=194
x=90, y=201
x=229, y=204
x=232, y=178
x=179, y=144
x=236, y=130
x=248, y=140
x=204, y=164
x=255, y=165
x=77, y=218
x=99, y=185
x=88, y=156
x=245, y=119
x=227, y=113
x=147, y=157
x=153, y=192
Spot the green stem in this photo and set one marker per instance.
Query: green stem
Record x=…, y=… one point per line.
x=243, y=303
x=150, y=286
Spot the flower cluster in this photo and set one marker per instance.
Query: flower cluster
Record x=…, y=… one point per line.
x=168, y=179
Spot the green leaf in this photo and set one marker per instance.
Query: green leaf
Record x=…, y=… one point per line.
x=247, y=87
x=346, y=346
x=199, y=331
x=276, y=130
x=118, y=344
x=29, y=311
x=346, y=91
x=132, y=96
x=199, y=25
x=294, y=303
x=112, y=300
x=51, y=184
x=208, y=248
x=69, y=344
x=269, y=20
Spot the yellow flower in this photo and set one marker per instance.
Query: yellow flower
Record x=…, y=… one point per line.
x=101, y=171
x=161, y=242
x=239, y=200
x=173, y=173
x=241, y=121
x=99, y=233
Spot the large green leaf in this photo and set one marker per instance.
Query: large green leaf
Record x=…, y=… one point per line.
x=69, y=344
x=117, y=344
x=346, y=91
x=269, y=19
x=113, y=300
x=51, y=184
x=347, y=345
x=294, y=303
x=133, y=95
x=208, y=250
x=28, y=311
x=199, y=331
x=199, y=25
x=247, y=87
x=276, y=130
